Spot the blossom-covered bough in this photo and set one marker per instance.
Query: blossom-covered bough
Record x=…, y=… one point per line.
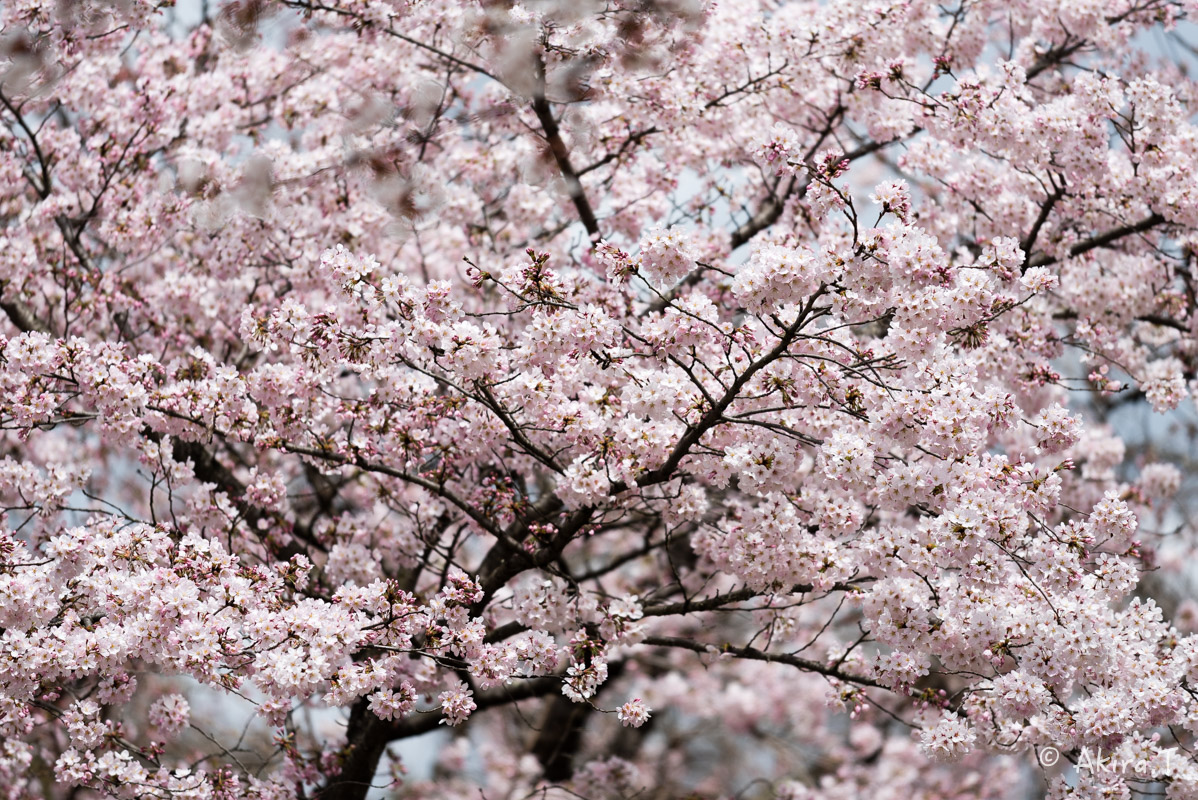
x=612, y=382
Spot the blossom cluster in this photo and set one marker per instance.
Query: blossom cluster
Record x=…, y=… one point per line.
x=619, y=381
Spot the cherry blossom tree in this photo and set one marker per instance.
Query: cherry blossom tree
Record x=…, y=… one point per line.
x=653, y=396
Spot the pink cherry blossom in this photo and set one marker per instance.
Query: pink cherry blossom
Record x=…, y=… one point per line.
x=819, y=375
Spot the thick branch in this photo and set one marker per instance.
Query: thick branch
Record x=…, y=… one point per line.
x=208, y=468
x=1152, y=319
x=1029, y=241
x=1101, y=240
x=368, y=735
x=560, y=738
x=561, y=154
x=24, y=319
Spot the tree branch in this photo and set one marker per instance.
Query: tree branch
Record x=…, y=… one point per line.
x=24, y=319
x=561, y=154
x=1101, y=240
x=368, y=735
x=753, y=654
x=771, y=210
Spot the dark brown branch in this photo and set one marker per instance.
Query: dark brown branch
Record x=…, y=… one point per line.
x=563, y=723
x=715, y=414
x=1152, y=319
x=208, y=468
x=361, y=20
x=24, y=319
x=627, y=144
x=1058, y=54
x=561, y=154
x=736, y=596
x=44, y=190
x=1101, y=240
x=510, y=629
x=368, y=735
x=753, y=654
x=361, y=463
x=1029, y=241
x=521, y=440
x=771, y=210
